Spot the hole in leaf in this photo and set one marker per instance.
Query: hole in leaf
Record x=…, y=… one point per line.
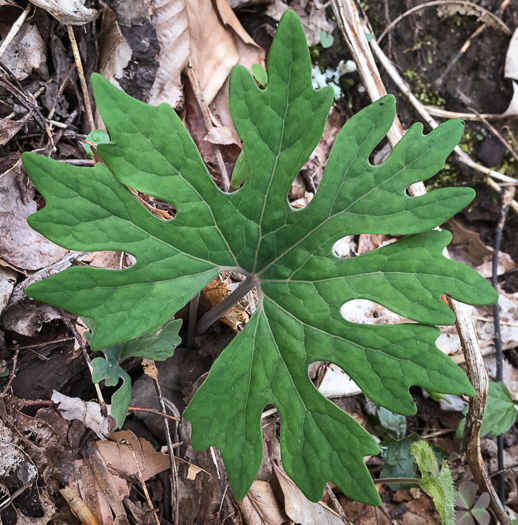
x=110, y=259
x=364, y=311
x=331, y=381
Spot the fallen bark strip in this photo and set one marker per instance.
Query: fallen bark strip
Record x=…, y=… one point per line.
x=354, y=34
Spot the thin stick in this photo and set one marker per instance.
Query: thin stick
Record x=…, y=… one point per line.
x=485, y=12
x=336, y=504
x=79, y=339
x=81, y=74
x=170, y=450
x=465, y=100
x=15, y=28
x=507, y=196
x=153, y=411
x=13, y=372
x=348, y=21
x=224, y=306
x=380, y=481
x=193, y=320
x=443, y=113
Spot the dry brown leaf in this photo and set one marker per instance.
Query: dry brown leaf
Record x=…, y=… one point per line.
x=115, y=52
x=215, y=292
x=299, y=508
x=205, y=34
x=21, y=245
x=117, y=453
x=505, y=264
x=26, y=53
x=88, y=412
x=28, y=318
x=150, y=368
x=68, y=12
x=9, y=128
x=78, y=506
x=466, y=245
x=261, y=507
x=7, y=281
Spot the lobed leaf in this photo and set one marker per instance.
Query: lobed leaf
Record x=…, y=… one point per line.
x=288, y=253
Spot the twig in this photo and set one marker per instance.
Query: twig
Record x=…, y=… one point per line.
x=443, y=113
x=13, y=372
x=380, y=481
x=507, y=197
x=193, y=320
x=198, y=94
x=70, y=325
x=465, y=100
x=170, y=448
x=142, y=481
x=462, y=156
x=224, y=306
x=153, y=411
x=348, y=21
x=336, y=504
x=82, y=79
x=440, y=79
x=15, y=28
x=19, y=290
x=479, y=8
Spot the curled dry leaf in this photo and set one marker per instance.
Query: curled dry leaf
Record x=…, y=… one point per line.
x=68, y=12
x=89, y=413
x=127, y=454
x=236, y=317
x=261, y=507
x=511, y=72
x=299, y=508
x=28, y=319
x=26, y=53
x=205, y=34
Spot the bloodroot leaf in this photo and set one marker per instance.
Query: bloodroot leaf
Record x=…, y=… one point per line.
x=287, y=253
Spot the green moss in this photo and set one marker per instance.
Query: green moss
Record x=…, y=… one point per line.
x=422, y=89
x=448, y=176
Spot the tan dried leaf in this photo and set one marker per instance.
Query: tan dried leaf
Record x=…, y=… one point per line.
x=205, y=34
x=215, y=292
x=299, y=508
x=21, y=245
x=118, y=451
x=68, y=12
x=261, y=507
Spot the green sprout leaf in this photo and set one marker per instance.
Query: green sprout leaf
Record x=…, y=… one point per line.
x=326, y=41
x=469, y=511
x=157, y=344
x=286, y=254
x=499, y=414
x=260, y=74
x=97, y=136
x=437, y=483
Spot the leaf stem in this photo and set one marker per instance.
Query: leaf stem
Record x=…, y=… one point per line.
x=193, y=320
x=224, y=306
x=379, y=481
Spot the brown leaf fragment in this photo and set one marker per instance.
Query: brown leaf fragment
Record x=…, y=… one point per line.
x=117, y=453
x=7, y=281
x=28, y=318
x=261, y=507
x=206, y=35
x=68, y=12
x=20, y=245
x=299, y=508
x=9, y=128
x=78, y=507
x=215, y=292
x=466, y=245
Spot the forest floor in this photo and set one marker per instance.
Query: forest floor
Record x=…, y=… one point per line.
x=166, y=54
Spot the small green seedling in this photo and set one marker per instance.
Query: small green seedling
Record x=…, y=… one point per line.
x=469, y=511
x=499, y=414
x=96, y=137
x=326, y=40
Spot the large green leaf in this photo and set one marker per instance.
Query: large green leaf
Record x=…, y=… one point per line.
x=289, y=254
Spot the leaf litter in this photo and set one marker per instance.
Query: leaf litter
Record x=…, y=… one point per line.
x=410, y=503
